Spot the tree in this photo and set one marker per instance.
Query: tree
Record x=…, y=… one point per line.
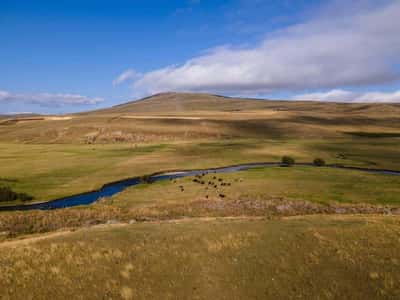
x=7, y=194
x=319, y=162
x=287, y=160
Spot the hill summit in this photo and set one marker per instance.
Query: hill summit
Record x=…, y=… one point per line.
x=183, y=102
x=174, y=102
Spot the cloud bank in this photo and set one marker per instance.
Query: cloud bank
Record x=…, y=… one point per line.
x=349, y=96
x=47, y=99
x=358, y=49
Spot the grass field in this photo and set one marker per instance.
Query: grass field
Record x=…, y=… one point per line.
x=236, y=240
x=321, y=257
x=321, y=185
x=51, y=171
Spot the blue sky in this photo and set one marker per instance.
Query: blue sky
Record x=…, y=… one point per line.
x=63, y=56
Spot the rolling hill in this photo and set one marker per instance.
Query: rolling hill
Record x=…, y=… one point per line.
x=193, y=102
x=185, y=116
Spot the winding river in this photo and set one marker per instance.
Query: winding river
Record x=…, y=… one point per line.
x=113, y=188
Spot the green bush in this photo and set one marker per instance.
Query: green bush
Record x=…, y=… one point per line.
x=24, y=197
x=319, y=162
x=146, y=179
x=287, y=160
x=7, y=194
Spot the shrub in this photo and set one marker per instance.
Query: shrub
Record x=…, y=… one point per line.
x=288, y=160
x=146, y=179
x=319, y=162
x=24, y=197
x=7, y=194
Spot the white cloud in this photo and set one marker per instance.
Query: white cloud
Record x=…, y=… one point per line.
x=48, y=99
x=127, y=75
x=4, y=95
x=348, y=96
x=379, y=97
x=360, y=48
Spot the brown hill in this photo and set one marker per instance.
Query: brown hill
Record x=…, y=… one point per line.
x=189, y=102
x=172, y=117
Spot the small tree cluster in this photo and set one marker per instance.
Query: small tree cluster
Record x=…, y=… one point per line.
x=7, y=194
x=319, y=162
x=287, y=160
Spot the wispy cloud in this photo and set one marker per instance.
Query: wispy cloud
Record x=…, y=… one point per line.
x=349, y=96
x=4, y=95
x=361, y=48
x=48, y=99
x=125, y=76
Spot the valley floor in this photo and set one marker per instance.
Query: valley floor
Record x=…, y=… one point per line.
x=50, y=171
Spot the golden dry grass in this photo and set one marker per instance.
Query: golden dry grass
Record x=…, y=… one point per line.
x=172, y=116
x=324, y=257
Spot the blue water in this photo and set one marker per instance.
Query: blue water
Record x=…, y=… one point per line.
x=111, y=189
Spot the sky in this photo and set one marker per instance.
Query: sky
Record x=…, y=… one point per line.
x=75, y=55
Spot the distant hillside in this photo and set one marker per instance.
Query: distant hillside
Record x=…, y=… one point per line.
x=184, y=102
x=187, y=116
x=187, y=102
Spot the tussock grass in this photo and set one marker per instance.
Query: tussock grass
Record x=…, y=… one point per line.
x=22, y=223
x=346, y=257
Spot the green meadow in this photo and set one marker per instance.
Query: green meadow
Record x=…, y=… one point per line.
x=49, y=171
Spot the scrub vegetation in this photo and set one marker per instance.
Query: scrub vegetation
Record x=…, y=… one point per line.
x=7, y=194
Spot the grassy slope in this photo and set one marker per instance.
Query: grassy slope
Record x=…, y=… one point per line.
x=184, y=102
x=306, y=258
x=210, y=117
